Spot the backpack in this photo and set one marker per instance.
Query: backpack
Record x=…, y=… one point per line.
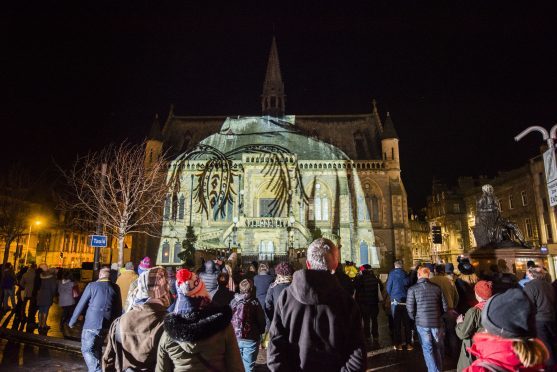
x=242, y=318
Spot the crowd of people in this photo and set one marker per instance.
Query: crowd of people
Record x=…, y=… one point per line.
x=324, y=317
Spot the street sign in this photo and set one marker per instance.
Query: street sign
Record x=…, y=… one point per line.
x=552, y=192
x=550, y=166
x=97, y=241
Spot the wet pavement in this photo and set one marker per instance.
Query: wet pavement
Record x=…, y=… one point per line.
x=22, y=357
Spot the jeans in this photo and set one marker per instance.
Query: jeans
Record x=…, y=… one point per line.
x=369, y=315
x=91, y=347
x=400, y=318
x=432, y=346
x=248, y=351
x=8, y=293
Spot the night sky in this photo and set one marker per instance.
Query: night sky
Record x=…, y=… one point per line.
x=459, y=80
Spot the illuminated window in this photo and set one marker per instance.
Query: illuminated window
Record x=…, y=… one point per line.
x=165, y=252
x=266, y=250
x=456, y=208
x=320, y=204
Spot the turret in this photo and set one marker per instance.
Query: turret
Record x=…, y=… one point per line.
x=273, y=98
x=153, y=145
x=389, y=144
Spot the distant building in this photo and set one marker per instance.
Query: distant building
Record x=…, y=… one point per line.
x=420, y=239
x=287, y=178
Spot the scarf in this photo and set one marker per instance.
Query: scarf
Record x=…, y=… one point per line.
x=281, y=279
x=480, y=305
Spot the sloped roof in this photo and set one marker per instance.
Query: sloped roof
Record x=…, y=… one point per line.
x=389, y=128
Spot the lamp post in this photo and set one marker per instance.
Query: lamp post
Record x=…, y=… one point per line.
x=291, y=221
x=36, y=222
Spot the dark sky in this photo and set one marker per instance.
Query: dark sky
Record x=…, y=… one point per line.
x=460, y=80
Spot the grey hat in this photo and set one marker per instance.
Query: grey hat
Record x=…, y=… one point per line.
x=129, y=266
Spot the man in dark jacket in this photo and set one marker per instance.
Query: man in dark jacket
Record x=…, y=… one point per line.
x=262, y=281
x=209, y=277
x=103, y=302
x=222, y=295
x=367, y=297
x=397, y=285
x=426, y=304
x=541, y=295
x=316, y=326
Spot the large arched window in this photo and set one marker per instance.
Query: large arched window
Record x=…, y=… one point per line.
x=165, y=252
x=372, y=205
x=181, y=207
x=167, y=202
x=319, y=207
x=266, y=250
x=368, y=254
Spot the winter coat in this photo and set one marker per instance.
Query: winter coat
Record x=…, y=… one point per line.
x=541, y=294
x=262, y=283
x=103, y=303
x=465, y=331
x=466, y=296
x=133, y=339
x=397, y=285
x=202, y=341
x=124, y=281
x=367, y=288
x=65, y=293
x=345, y=282
x=209, y=276
x=8, y=279
x=316, y=327
x=222, y=296
x=271, y=299
x=248, y=318
x=496, y=351
x=448, y=288
x=28, y=282
x=48, y=289
x=426, y=304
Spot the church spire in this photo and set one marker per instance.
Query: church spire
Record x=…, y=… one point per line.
x=273, y=97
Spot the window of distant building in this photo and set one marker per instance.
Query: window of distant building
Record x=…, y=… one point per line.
x=267, y=207
x=227, y=216
x=167, y=202
x=320, y=204
x=524, y=198
x=177, y=250
x=529, y=229
x=511, y=206
x=181, y=206
x=456, y=208
x=266, y=250
x=165, y=252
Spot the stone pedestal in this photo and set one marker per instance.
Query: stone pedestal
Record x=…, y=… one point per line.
x=511, y=260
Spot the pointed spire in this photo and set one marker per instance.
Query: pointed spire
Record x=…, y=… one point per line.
x=155, y=133
x=273, y=97
x=389, y=128
x=374, y=104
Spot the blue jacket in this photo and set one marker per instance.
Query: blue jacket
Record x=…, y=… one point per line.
x=397, y=285
x=103, y=303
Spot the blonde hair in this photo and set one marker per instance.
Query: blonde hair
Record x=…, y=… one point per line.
x=530, y=352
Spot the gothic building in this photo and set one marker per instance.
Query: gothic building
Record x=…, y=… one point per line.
x=265, y=185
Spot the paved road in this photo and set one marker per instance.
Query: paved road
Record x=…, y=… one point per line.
x=20, y=357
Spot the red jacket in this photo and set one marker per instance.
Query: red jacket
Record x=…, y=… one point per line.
x=497, y=351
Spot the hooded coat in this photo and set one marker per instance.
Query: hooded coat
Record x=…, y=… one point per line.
x=209, y=277
x=201, y=340
x=316, y=327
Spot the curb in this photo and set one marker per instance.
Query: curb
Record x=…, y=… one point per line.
x=39, y=340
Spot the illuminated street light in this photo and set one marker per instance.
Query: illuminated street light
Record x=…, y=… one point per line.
x=36, y=222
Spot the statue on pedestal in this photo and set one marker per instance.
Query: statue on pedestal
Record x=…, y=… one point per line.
x=492, y=230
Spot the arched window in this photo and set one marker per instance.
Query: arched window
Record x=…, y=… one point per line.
x=368, y=254
x=167, y=202
x=165, y=252
x=320, y=204
x=266, y=250
x=177, y=249
x=181, y=206
x=362, y=208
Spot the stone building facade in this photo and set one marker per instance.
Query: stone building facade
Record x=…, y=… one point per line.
x=281, y=180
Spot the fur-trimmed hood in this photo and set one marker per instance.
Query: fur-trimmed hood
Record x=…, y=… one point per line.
x=197, y=325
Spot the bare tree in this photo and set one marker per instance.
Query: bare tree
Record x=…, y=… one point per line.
x=14, y=208
x=128, y=198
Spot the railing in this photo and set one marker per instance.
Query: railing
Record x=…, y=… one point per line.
x=267, y=222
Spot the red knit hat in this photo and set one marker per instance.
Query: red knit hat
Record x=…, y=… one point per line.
x=484, y=289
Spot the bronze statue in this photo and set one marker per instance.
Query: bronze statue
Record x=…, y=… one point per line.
x=492, y=230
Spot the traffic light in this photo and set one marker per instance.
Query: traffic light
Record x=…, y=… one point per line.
x=436, y=235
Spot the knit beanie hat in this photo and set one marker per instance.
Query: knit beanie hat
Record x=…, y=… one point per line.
x=284, y=269
x=484, y=289
x=144, y=265
x=191, y=292
x=497, y=318
x=449, y=268
x=465, y=267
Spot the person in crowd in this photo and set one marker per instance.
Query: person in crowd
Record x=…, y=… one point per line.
x=501, y=277
x=32, y=313
x=345, y=281
x=171, y=275
x=315, y=304
x=248, y=321
x=209, y=276
x=262, y=281
x=252, y=271
x=229, y=268
x=368, y=296
x=413, y=275
x=507, y=342
x=470, y=323
x=350, y=269
x=397, y=287
x=19, y=309
x=45, y=297
x=222, y=296
x=103, y=302
x=66, y=298
x=26, y=284
x=8, y=286
x=526, y=278
x=197, y=336
x=284, y=273
x=134, y=337
x=464, y=284
x=144, y=265
x=449, y=317
x=449, y=271
x=114, y=272
x=542, y=296
x=125, y=280
x=426, y=304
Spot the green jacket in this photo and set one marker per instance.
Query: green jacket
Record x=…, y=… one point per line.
x=465, y=331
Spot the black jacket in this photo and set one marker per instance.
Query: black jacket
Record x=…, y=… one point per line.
x=316, y=327
x=222, y=296
x=103, y=302
x=209, y=276
x=541, y=294
x=367, y=288
x=426, y=304
x=262, y=283
x=272, y=296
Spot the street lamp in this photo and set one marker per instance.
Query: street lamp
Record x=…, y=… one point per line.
x=36, y=222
